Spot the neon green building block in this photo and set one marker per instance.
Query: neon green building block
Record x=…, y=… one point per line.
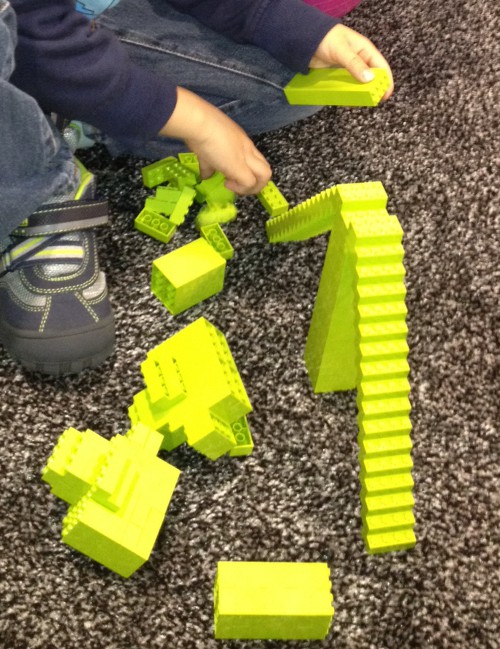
x=242, y=437
x=182, y=206
x=215, y=236
x=306, y=220
x=213, y=190
x=272, y=601
x=272, y=200
x=169, y=169
x=155, y=225
x=191, y=162
x=215, y=213
x=75, y=463
x=336, y=87
x=357, y=339
x=119, y=492
x=186, y=276
x=194, y=393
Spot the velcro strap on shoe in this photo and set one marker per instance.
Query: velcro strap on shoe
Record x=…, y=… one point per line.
x=37, y=250
x=58, y=218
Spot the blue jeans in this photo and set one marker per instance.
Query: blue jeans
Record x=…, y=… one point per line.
x=242, y=80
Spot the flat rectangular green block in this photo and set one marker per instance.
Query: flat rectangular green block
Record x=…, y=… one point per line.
x=382, y=253
x=158, y=206
x=386, y=291
x=213, y=190
x=272, y=200
x=383, y=331
x=155, y=225
x=216, y=237
x=384, y=349
x=361, y=198
x=187, y=276
x=389, y=521
x=377, y=313
x=390, y=541
x=371, y=273
x=383, y=426
x=393, y=502
x=372, y=466
x=336, y=87
x=375, y=388
x=381, y=408
x=385, y=484
x=382, y=446
x=393, y=368
x=283, y=601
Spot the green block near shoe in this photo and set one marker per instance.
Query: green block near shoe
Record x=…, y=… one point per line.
x=188, y=275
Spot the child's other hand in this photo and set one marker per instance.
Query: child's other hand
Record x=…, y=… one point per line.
x=347, y=48
x=220, y=144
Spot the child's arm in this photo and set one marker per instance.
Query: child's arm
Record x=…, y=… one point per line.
x=347, y=48
x=220, y=144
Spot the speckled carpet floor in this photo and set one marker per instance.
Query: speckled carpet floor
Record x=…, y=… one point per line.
x=435, y=147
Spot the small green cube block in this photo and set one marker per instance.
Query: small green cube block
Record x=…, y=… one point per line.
x=272, y=601
x=187, y=276
x=215, y=236
x=272, y=200
x=336, y=87
x=156, y=225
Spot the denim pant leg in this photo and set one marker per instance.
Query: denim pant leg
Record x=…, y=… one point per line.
x=34, y=164
x=242, y=80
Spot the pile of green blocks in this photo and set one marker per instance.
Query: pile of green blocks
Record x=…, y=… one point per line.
x=118, y=492
x=194, y=272
x=194, y=394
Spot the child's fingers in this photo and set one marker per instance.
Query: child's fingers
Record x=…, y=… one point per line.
x=375, y=60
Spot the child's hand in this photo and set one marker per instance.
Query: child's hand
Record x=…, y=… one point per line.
x=347, y=48
x=220, y=144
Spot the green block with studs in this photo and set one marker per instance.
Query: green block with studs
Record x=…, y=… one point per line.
x=188, y=275
x=272, y=200
x=155, y=225
x=216, y=237
x=336, y=87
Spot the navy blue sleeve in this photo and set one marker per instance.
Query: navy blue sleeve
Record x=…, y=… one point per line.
x=80, y=72
x=83, y=73
x=289, y=30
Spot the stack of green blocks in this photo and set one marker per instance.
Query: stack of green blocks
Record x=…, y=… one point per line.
x=194, y=394
x=281, y=601
x=118, y=491
x=357, y=338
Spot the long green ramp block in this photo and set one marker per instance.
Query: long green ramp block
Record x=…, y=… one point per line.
x=272, y=601
x=336, y=87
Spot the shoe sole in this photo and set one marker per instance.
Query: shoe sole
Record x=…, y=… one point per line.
x=64, y=354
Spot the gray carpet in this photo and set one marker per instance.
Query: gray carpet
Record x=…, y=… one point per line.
x=435, y=148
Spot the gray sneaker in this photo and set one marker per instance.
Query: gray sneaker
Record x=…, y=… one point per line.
x=55, y=315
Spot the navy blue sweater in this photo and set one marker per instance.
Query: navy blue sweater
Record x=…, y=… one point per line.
x=84, y=73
